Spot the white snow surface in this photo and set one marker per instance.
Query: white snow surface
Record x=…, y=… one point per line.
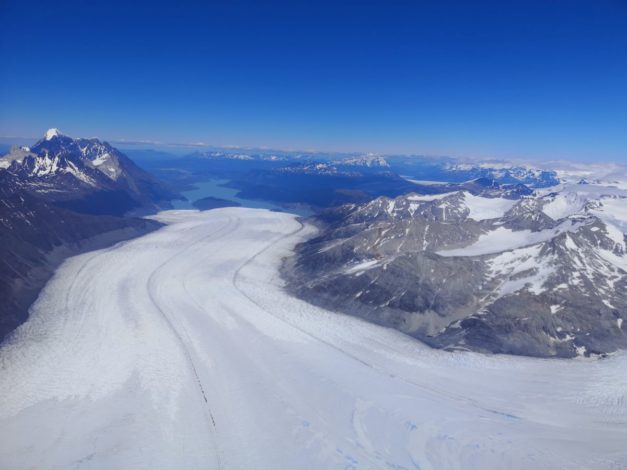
x=429, y=197
x=503, y=239
x=363, y=266
x=610, y=200
x=180, y=349
x=100, y=159
x=50, y=133
x=564, y=204
x=480, y=208
x=613, y=212
x=484, y=208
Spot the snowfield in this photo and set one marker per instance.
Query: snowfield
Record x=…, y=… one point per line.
x=180, y=349
x=504, y=239
x=479, y=208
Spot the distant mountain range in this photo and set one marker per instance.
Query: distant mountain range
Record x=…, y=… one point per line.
x=424, y=168
x=320, y=181
x=60, y=197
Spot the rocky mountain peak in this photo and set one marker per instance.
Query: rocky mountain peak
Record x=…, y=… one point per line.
x=65, y=169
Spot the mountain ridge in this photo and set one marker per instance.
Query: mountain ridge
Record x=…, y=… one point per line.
x=479, y=272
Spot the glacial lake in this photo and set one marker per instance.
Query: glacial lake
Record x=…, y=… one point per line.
x=215, y=188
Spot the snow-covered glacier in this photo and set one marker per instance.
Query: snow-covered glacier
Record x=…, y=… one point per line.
x=180, y=349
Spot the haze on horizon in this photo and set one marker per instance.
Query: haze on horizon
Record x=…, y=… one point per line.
x=493, y=79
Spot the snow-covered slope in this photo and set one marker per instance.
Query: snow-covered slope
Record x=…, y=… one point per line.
x=181, y=350
x=477, y=207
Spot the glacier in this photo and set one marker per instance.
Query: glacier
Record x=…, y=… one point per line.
x=180, y=349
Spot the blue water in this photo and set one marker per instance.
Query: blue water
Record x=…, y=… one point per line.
x=216, y=188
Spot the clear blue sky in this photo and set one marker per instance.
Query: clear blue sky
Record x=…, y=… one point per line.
x=531, y=79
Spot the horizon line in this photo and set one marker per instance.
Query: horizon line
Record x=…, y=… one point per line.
x=526, y=161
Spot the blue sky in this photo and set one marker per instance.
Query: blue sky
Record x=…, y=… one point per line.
x=529, y=79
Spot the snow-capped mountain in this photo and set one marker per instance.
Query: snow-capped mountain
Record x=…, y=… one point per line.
x=224, y=155
x=423, y=169
x=542, y=275
x=505, y=173
x=369, y=160
x=62, y=169
x=313, y=168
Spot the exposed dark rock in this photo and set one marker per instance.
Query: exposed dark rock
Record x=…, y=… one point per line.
x=561, y=293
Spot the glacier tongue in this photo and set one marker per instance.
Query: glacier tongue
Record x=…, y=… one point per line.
x=180, y=349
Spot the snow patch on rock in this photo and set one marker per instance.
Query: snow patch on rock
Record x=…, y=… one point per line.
x=51, y=134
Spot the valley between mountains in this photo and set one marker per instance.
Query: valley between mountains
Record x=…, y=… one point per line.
x=181, y=349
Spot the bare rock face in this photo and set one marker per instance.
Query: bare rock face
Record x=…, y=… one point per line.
x=463, y=271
